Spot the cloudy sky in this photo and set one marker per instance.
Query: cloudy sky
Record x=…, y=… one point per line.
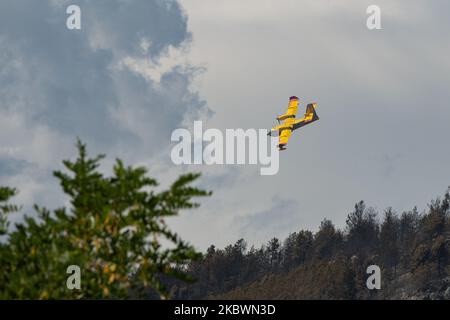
x=137, y=70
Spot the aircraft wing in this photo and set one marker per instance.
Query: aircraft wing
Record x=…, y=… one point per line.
x=291, y=110
x=292, y=107
x=284, y=138
x=283, y=132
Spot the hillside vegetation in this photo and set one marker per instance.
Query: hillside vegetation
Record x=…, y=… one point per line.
x=411, y=249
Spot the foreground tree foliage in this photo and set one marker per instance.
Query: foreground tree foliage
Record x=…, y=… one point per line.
x=113, y=231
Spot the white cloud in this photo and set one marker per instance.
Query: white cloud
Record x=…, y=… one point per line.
x=56, y=84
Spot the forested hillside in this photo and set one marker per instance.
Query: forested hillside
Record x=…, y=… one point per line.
x=411, y=248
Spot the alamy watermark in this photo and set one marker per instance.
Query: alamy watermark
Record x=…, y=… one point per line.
x=374, y=280
x=73, y=22
x=374, y=20
x=237, y=146
x=74, y=280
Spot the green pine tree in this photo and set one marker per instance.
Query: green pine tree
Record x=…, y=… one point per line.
x=113, y=231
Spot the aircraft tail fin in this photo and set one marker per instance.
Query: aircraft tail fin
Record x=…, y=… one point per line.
x=311, y=112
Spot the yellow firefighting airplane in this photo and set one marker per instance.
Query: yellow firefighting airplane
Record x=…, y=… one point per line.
x=284, y=130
